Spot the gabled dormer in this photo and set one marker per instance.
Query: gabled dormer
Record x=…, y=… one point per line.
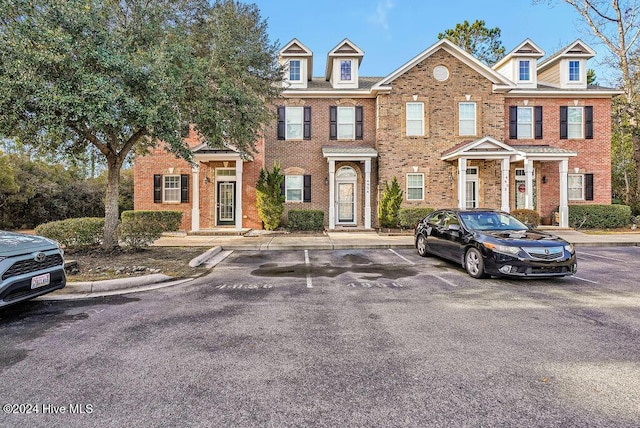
x=567, y=68
x=520, y=65
x=297, y=61
x=343, y=63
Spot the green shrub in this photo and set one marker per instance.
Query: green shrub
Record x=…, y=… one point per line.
x=140, y=229
x=390, y=204
x=270, y=200
x=527, y=216
x=599, y=216
x=74, y=232
x=306, y=220
x=409, y=217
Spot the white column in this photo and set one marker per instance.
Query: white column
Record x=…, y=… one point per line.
x=367, y=193
x=504, y=206
x=462, y=183
x=528, y=176
x=564, y=193
x=238, y=201
x=195, y=201
x=332, y=190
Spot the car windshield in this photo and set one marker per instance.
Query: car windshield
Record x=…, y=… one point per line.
x=489, y=220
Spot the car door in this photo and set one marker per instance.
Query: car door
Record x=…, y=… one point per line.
x=450, y=236
x=434, y=233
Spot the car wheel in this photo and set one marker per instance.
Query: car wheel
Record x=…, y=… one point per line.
x=474, y=264
x=421, y=245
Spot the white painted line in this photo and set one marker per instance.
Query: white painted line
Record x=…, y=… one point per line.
x=585, y=280
x=444, y=280
x=402, y=257
x=307, y=263
x=602, y=257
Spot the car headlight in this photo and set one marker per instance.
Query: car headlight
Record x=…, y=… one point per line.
x=504, y=249
x=569, y=248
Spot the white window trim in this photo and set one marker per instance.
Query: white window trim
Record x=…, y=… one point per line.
x=352, y=123
x=299, y=70
x=475, y=119
x=518, y=71
x=581, y=136
x=287, y=115
x=421, y=118
x=286, y=188
x=472, y=176
x=421, y=187
x=581, y=198
x=518, y=123
x=164, y=189
x=350, y=70
x=579, y=80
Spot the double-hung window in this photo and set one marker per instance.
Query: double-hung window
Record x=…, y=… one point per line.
x=345, y=70
x=415, y=187
x=466, y=119
x=576, y=187
x=525, y=122
x=524, y=71
x=294, y=120
x=574, y=71
x=574, y=122
x=294, y=185
x=346, y=123
x=415, y=119
x=171, y=188
x=294, y=70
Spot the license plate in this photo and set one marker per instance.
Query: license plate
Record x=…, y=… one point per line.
x=40, y=280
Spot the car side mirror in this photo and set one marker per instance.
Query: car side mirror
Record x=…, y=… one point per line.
x=529, y=226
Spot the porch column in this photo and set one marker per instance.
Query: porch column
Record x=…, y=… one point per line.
x=367, y=193
x=564, y=193
x=462, y=183
x=504, y=206
x=528, y=176
x=195, y=200
x=332, y=190
x=238, y=198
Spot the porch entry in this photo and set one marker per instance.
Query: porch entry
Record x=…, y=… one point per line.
x=520, y=188
x=346, y=178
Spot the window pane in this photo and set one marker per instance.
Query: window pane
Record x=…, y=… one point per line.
x=415, y=119
x=294, y=184
x=574, y=71
x=172, y=188
x=525, y=122
x=414, y=194
x=467, y=123
x=574, y=128
x=294, y=70
x=415, y=186
x=575, y=186
x=294, y=123
x=345, y=70
x=524, y=70
x=346, y=123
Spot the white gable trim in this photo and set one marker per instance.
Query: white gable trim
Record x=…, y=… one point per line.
x=566, y=53
x=483, y=148
x=457, y=52
x=536, y=53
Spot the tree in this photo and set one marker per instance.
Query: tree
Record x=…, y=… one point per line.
x=615, y=24
x=481, y=42
x=270, y=200
x=125, y=75
x=390, y=204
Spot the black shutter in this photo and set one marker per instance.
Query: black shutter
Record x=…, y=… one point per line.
x=513, y=122
x=588, y=122
x=157, y=188
x=281, y=123
x=333, y=123
x=184, y=188
x=538, y=122
x=307, y=123
x=306, y=193
x=282, y=187
x=358, y=122
x=588, y=187
x=563, y=122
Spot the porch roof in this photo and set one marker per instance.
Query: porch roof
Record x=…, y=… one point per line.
x=203, y=153
x=490, y=148
x=349, y=152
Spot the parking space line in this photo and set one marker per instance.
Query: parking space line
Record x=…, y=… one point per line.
x=585, y=280
x=602, y=257
x=401, y=256
x=307, y=263
x=446, y=281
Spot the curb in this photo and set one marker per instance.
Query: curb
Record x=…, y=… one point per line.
x=202, y=258
x=114, y=292
x=117, y=284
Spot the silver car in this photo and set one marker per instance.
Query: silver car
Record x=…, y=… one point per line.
x=29, y=267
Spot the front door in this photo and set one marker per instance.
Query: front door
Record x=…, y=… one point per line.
x=225, y=203
x=521, y=189
x=346, y=211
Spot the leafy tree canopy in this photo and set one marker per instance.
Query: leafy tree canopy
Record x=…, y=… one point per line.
x=481, y=42
x=123, y=75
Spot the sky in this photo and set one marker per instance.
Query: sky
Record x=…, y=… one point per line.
x=391, y=32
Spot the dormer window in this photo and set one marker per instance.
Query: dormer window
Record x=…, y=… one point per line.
x=524, y=71
x=294, y=70
x=574, y=71
x=345, y=70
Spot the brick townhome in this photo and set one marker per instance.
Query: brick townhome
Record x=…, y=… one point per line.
x=526, y=133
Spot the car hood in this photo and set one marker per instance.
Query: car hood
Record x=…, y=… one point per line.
x=530, y=238
x=12, y=243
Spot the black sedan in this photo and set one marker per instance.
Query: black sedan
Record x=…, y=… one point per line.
x=490, y=242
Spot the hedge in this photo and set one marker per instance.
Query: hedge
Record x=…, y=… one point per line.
x=305, y=220
x=409, y=217
x=140, y=228
x=599, y=216
x=74, y=232
x=527, y=216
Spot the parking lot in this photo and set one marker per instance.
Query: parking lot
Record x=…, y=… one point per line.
x=338, y=338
